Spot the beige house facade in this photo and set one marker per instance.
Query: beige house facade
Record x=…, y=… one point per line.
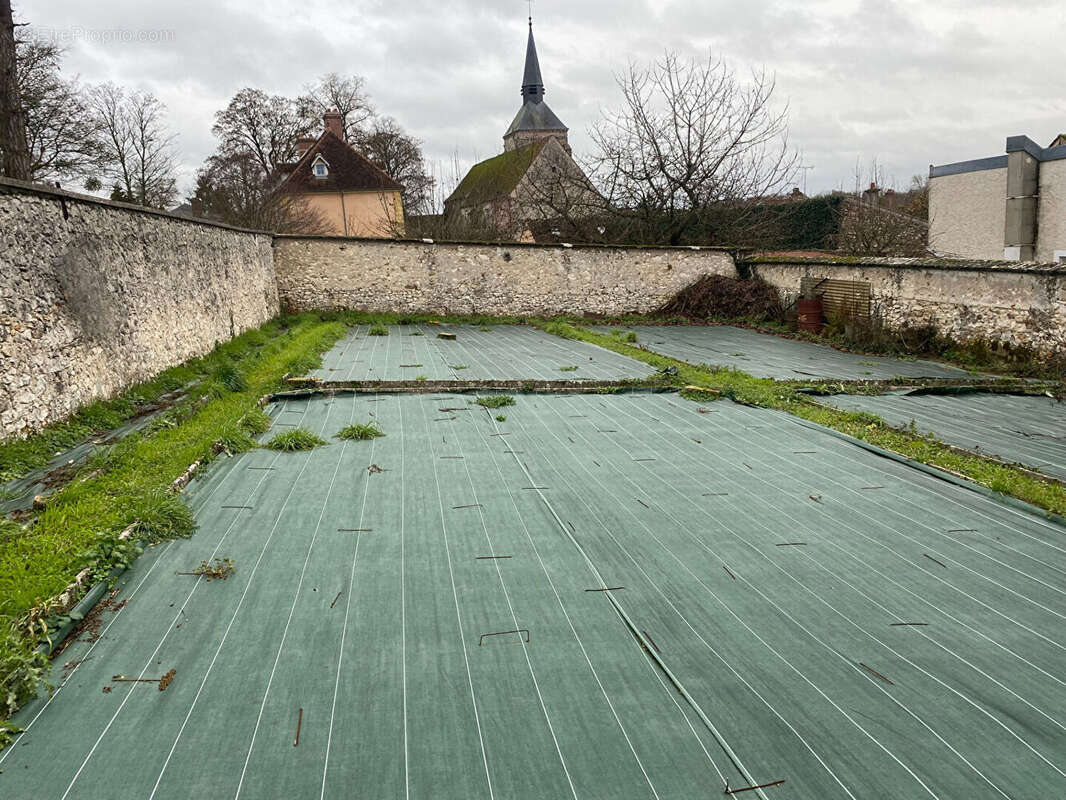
x=1010, y=207
x=341, y=193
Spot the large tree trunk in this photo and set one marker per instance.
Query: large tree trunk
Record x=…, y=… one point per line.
x=12, y=121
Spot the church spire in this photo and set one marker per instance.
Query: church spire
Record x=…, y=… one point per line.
x=535, y=121
x=532, y=82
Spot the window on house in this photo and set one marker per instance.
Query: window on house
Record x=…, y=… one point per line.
x=320, y=168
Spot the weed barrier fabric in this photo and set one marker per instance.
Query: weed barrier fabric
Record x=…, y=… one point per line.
x=19, y=493
x=1026, y=430
x=500, y=352
x=767, y=356
x=424, y=608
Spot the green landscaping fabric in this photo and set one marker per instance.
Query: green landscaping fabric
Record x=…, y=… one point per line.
x=766, y=565
x=767, y=356
x=504, y=352
x=1027, y=430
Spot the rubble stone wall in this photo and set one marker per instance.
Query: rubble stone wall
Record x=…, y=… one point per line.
x=96, y=296
x=1017, y=304
x=501, y=279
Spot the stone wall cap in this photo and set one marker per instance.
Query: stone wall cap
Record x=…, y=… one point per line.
x=888, y=262
x=12, y=186
x=525, y=245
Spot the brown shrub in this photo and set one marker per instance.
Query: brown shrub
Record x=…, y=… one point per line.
x=726, y=298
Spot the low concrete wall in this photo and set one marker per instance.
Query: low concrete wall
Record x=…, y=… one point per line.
x=95, y=296
x=504, y=279
x=997, y=301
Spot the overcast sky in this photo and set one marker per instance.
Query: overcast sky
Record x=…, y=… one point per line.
x=908, y=82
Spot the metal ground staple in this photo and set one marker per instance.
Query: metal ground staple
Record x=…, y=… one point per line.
x=504, y=633
x=749, y=788
x=873, y=671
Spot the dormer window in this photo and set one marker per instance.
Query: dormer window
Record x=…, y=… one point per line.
x=319, y=167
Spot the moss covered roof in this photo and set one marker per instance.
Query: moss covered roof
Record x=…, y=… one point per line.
x=495, y=177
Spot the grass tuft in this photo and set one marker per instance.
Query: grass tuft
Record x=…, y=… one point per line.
x=495, y=401
x=377, y=330
x=560, y=329
x=162, y=516
x=567, y=369
x=296, y=439
x=237, y=440
x=256, y=421
x=360, y=432
x=301, y=365
x=228, y=377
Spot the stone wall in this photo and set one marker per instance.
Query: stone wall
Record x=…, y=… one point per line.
x=998, y=301
x=95, y=296
x=504, y=279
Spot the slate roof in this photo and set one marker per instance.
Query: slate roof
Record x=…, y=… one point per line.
x=534, y=115
x=349, y=170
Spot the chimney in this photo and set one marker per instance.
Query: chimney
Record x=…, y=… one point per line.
x=334, y=123
x=303, y=144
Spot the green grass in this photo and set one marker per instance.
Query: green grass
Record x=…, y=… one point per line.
x=130, y=481
x=501, y=418
x=218, y=371
x=458, y=366
x=294, y=440
x=495, y=401
x=360, y=432
x=377, y=330
x=567, y=369
x=256, y=421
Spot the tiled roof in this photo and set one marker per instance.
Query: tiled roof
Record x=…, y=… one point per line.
x=349, y=170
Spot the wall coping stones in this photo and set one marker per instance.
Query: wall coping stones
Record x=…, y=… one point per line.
x=12, y=186
x=508, y=245
x=831, y=259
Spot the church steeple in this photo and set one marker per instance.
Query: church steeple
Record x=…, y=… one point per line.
x=532, y=82
x=534, y=121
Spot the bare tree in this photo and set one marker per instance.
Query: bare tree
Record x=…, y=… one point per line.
x=688, y=136
x=345, y=94
x=61, y=130
x=399, y=154
x=13, y=145
x=878, y=221
x=262, y=126
x=233, y=189
x=556, y=200
x=136, y=152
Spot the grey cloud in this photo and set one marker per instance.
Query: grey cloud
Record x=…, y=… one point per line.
x=898, y=80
